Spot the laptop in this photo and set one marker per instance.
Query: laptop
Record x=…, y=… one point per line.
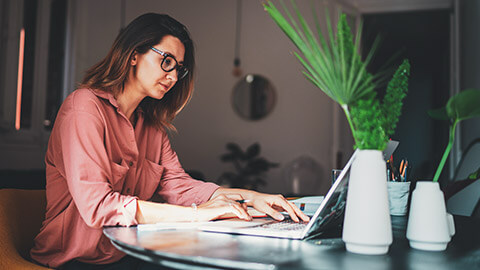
x=328, y=215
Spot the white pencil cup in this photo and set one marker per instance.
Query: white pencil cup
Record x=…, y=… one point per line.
x=398, y=193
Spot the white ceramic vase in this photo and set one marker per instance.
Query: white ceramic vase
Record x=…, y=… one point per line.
x=429, y=227
x=367, y=227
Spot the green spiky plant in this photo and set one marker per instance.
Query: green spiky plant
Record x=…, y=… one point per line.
x=375, y=121
x=462, y=106
x=336, y=68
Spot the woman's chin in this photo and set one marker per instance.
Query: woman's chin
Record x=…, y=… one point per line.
x=158, y=95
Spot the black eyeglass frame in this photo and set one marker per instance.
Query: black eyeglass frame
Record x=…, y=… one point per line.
x=182, y=71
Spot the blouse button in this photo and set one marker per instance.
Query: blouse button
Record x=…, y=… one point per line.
x=130, y=164
x=128, y=190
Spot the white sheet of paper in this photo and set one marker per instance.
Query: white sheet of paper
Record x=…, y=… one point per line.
x=310, y=204
x=170, y=226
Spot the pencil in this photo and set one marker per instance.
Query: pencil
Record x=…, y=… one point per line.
x=401, y=167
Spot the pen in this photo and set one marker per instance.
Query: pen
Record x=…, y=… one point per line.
x=405, y=172
x=401, y=167
x=242, y=201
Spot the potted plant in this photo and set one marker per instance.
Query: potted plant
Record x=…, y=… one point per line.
x=334, y=65
x=374, y=122
x=462, y=106
x=427, y=228
x=249, y=167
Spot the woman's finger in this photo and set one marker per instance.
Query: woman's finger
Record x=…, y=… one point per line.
x=299, y=212
x=287, y=207
x=281, y=204
x=267, y=209
x=237, y=198
x=238, y=210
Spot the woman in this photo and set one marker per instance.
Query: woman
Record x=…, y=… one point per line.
x=109, y=154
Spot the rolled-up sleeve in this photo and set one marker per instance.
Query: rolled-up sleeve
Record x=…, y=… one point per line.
x=176, y=186
x=87, y=170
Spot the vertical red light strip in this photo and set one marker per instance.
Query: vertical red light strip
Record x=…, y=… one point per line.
x=20, y=79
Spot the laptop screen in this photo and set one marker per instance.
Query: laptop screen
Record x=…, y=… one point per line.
x=330, y=213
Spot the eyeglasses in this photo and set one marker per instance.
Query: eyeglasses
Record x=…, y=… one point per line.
x=169, y=63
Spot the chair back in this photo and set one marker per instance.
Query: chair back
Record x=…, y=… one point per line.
x=21, y=215
x=470, y=161
x=466, y=201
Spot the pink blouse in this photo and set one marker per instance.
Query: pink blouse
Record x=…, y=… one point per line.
x=97, y=165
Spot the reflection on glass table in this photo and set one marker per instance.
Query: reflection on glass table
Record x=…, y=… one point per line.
x=191, y=249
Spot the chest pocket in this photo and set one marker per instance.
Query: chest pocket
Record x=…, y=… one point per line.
x=148, y=179
x=119, y=172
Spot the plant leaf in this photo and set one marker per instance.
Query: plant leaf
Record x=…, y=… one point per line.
x=332, y=62
x=392, y=101
x=259, y=165
x=334, y=66
x=474, y=175
x=253, y=151
x=464, y=105
x=461, y=106
x=235, y=150
x=366, y=115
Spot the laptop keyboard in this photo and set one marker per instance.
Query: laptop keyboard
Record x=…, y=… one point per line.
x=285, y=225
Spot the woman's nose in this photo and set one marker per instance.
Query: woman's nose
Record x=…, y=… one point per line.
x=173, y=75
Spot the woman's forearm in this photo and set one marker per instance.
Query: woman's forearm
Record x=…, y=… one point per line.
x=151, y=212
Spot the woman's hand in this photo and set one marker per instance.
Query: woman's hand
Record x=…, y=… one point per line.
x=272, y=204
x=221, y=205
x=265, y=203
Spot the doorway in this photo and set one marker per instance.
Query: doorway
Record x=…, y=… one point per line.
x=424, y=38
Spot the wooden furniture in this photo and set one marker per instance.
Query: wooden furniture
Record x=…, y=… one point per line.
x=21, y=215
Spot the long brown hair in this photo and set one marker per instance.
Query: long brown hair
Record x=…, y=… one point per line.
x=145, y=31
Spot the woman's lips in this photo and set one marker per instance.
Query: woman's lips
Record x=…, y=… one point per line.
x=165, y=87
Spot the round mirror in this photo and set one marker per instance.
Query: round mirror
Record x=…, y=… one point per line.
x=253, y=97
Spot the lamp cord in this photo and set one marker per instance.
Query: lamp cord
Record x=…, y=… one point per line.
x=236, y=61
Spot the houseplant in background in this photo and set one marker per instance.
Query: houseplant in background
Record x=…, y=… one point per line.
x=334, y=65
x=249, y=167
x=462, y=106
x=427, y=228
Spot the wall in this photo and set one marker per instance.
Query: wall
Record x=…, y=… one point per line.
x=470, y=61
x=301, y=121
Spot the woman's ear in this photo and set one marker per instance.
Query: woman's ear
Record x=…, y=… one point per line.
x=133, y=60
